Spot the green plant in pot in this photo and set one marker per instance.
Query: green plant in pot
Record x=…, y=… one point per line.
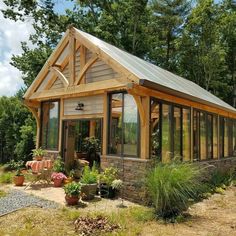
x=19, y=178
x=72, y=191
x=38, y=154
x=59, y=165
x=109, y=182
x=89, y=182
x=92, y=146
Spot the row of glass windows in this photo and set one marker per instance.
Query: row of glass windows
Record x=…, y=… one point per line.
x=170, y=131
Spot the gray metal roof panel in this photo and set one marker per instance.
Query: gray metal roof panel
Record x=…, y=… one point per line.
x=150, y=72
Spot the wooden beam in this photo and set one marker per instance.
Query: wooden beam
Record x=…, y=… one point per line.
x=82, y=62
x=90, y=62
x=191, y=135
x=82, y=116
x=80, y=90
x=71, y=58
x=60, y=125
x=51, y=60
x=140, y=108
x=60, y=76
x=143, y=91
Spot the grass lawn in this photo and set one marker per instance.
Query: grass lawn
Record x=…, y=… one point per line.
x=213, y=216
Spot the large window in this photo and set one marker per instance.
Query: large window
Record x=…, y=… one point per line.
x=50, y=125
x=215, y=137
x=170, y=131
x=203, y=147
x=123, y=125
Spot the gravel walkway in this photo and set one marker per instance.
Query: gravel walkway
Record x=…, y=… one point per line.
x=16, y=200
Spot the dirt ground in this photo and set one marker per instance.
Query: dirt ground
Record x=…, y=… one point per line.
x=215, y=216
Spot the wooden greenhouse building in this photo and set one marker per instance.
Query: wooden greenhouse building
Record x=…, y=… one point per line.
x=137, y=110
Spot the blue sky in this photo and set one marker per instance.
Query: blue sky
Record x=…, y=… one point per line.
x=11, y=34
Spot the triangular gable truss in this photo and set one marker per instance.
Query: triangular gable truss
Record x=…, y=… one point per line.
x=65, y=55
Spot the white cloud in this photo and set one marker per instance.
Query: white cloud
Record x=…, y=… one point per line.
x=11, y=35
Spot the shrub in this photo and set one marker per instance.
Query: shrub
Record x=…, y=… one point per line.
x=13, y=165
x=59, y=165
x=172, y=185
x=6, y=178
x=109, y=175
x=89, y=176
x=72, y=189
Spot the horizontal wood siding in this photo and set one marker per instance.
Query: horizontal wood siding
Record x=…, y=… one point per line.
x=100, y=71
x=77, y=63
x=57, y=84
x=92, y=105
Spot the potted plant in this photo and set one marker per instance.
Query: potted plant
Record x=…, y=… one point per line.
x=38, y=154
x=72, y=191
x=109, y=182
x=19, y=178
x=58, y=165
x=92, y=146
x=70, y=178
x=58, y=178
x=89, y=182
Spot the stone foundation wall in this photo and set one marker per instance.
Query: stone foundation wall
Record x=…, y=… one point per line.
x=135, y=171
x=52, y=154
x=132, y=171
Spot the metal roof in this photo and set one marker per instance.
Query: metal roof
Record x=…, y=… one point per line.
x=156, y=76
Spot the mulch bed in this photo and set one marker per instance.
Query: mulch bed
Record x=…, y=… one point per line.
x=87, y=226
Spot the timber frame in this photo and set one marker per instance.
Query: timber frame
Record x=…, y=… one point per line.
x=74, y=86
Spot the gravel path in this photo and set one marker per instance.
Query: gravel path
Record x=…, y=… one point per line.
x=16, y=200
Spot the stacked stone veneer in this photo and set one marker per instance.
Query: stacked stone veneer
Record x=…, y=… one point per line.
x=133, y=172
x=52, y=154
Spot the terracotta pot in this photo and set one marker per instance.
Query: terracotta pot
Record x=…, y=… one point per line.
x=19, y=180
x=72, y=200
x=39, y=158
x=88, y=191
x=57, y=182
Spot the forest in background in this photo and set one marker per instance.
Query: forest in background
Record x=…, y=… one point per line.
x=194, y=39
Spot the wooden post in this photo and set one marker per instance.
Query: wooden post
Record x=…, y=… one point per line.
x=218, y=135
x=145, y=130
x=71, y=58
x=105, y=124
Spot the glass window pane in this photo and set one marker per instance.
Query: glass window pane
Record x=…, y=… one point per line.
x=209, y=137
x=166, y=133
x=203, y=153
x=221, y=136
x=177, y=132
x=226, y=138
x=234, y=138
x=50, y=125
x=130, y=125
x=215, y=137
x=155, y=129
x=115, y=136
x=196, y=135
x=186, y=135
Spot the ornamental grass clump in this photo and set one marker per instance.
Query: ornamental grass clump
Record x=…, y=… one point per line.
x=171, y=186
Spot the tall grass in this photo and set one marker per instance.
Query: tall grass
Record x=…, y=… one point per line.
x=172, y=185
x=6, y=178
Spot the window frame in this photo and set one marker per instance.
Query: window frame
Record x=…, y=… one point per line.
x=41, y=125
x=109, y=95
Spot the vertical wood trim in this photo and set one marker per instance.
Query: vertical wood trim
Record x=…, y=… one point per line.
x=60, y=125
x=71, y=59
x=218, y=135
x=105, y=124
x=82, y=62
x=145, y=129
x=191, y=134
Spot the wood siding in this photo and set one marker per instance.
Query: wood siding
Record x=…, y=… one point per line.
x=100, y=71
x=57, y=84
x=92, y=105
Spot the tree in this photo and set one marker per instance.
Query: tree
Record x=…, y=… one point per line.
x=167, y=21
x=202, y=53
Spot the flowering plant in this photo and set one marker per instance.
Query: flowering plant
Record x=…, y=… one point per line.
x=56, y=175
